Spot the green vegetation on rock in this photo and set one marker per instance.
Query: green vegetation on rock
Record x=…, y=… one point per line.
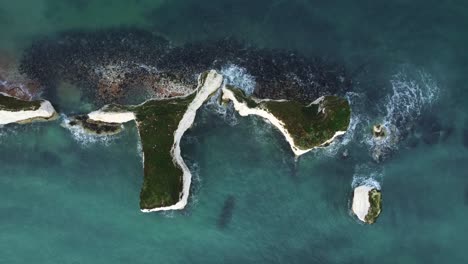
x=308, y=126
x=9, y=103
x=157, y=120
x=95, y=127
x=375, y=200
x=242, y=97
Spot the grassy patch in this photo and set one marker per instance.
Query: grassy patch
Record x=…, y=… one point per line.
x=375, y=200
x=308, y=127
x=8, y=103
x=157, y=120
x=116, y=108
x=242, y=97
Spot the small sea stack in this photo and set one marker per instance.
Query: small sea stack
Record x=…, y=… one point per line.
x=378, y=131
x=384, y=140
x=367, y=203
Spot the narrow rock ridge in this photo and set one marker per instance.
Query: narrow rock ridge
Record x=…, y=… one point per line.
x=211, y=84
x=44, y=112
x=245, y=110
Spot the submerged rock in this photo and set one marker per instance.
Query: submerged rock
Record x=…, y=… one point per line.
x=225, y=215
x=465, y=138
x=367, y=203
x=12, y=82
x=345, y=154
x=118, y=65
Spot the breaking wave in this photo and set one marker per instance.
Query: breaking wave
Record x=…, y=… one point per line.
x=411, y=94
x=7, y=130
x=83, y=137
x=367, y=174
x=239, y=77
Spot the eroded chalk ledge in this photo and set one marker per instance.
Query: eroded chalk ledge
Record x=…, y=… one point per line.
x=367, y=203
x=14, y=110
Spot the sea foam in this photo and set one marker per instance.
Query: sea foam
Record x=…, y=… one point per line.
x=368, y=175
x=238, y=77
x=411, y=93
x=80, y=135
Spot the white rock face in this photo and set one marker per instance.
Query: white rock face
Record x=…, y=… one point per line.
x=361, y=202
x=111, y=117
x=46, y=110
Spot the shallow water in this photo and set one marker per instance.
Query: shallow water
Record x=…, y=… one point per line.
x=65, y=199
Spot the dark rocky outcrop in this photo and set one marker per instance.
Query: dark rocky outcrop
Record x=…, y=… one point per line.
x=116, y=65
x=226, y=212
x=12, y=82
x=95, y=127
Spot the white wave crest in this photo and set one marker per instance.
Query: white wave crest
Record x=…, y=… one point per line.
x=368, y=175
x=226, y=112
x=239, y=77
x=411, y=94
x=83, y=137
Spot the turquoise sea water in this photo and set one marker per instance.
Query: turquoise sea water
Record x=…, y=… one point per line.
x=68, y=200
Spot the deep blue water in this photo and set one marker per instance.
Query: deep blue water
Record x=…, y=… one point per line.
x=68, y=200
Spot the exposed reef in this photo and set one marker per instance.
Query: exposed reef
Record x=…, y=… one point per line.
x=95, y=126
x=118, y=65
x=367, y=203
x=12, y=82
x=14, y=110
x=304, y=126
